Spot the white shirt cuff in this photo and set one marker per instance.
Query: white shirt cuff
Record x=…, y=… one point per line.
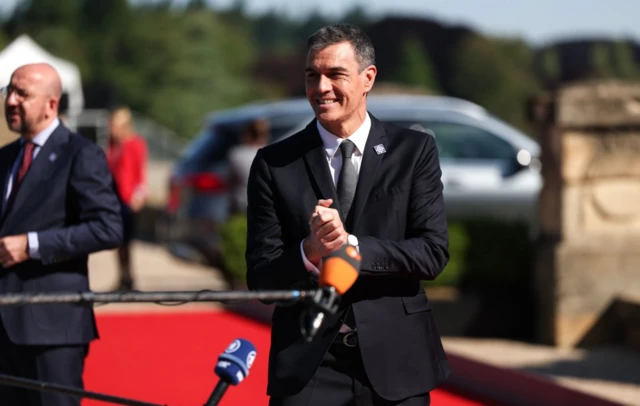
x=34, y=245
x=310, y=267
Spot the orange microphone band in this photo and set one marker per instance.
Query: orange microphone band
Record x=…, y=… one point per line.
x=340, y=269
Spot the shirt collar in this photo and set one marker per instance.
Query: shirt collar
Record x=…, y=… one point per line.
x=332, y=142
x=44, y=135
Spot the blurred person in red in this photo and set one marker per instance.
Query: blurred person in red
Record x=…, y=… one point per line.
x=127, y=158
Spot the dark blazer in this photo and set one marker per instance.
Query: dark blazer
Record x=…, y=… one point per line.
x=398, y=216
x=69, y=199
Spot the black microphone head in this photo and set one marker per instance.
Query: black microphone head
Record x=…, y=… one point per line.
x=234, y=363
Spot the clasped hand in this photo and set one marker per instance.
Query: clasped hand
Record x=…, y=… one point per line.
x=13, y=250
x=327, y=232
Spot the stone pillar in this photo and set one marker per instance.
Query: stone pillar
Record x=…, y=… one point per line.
x=589, y=248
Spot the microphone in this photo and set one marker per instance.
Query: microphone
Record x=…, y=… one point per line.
x=339, y=272
x=232, y=367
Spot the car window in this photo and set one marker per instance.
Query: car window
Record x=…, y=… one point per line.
x=210, y=148
x=462, y=141
x=284, y=124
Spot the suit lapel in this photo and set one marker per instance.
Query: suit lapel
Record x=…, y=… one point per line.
x=7, y=160
x=42, y=167
x=316, y=159
x=370, y=163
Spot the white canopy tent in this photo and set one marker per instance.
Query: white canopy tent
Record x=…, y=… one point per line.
x=24, y=50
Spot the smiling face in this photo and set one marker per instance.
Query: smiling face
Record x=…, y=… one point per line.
x=337, y=87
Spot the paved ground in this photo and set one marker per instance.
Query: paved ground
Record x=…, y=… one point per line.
x=611, y=373
x=154, y=270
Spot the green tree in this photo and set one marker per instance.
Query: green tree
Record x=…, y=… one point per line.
x=63, y=43
x=314, y=21
x=550, y=65
x=484, y=74
x=53, y=24
x=517, y=50
x=105, y=26
x=4, y=39
x=197, y=5
x=601, y=61
x=274, y=32
x=178, y=75
x=29, y=15
x=237, y=12
x=357, y=16
x=415, y=67
x=624, y=65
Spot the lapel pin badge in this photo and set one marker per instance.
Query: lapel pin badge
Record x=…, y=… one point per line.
x=380, y=149
x=52, y=157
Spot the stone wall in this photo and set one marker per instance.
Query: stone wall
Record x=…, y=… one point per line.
x=589, y=251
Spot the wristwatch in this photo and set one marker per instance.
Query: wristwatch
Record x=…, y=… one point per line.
x=353, y=241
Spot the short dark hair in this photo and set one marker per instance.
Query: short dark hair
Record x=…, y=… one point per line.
x=335, y=34
x=258, y=129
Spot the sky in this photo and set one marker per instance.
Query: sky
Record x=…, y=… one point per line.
x=536, y=21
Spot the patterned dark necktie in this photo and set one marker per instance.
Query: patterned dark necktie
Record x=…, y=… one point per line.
x=347, y=183
x=348, y=179
x=27, y=157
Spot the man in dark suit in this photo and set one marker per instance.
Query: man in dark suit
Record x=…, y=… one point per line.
x=58, y=205
x=347, y=178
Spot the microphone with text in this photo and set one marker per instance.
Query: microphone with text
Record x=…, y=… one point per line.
x=232, y=367
x=339, y=272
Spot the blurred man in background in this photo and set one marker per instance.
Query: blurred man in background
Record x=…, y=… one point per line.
x=127, y=158
x=57, y=206
x=240, y=157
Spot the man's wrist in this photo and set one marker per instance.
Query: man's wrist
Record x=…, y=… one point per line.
x=307, y=252
x=315, y=260
x=311, y=268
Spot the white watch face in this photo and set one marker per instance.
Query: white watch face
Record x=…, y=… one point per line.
x=352, y=240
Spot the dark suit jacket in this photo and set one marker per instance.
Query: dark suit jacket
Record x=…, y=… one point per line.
x=68, y=198
x=398, y=216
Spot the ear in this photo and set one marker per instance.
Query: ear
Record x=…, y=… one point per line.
x=53, y=104
x=369, y=77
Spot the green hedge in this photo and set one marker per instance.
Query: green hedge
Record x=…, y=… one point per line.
x=485, y=255
x=488, y=255
x=233, y=243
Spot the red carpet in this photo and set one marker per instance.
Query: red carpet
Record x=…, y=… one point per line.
x=168, y=358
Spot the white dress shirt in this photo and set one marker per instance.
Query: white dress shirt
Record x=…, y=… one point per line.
x=38, y=141
x=334, y=160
